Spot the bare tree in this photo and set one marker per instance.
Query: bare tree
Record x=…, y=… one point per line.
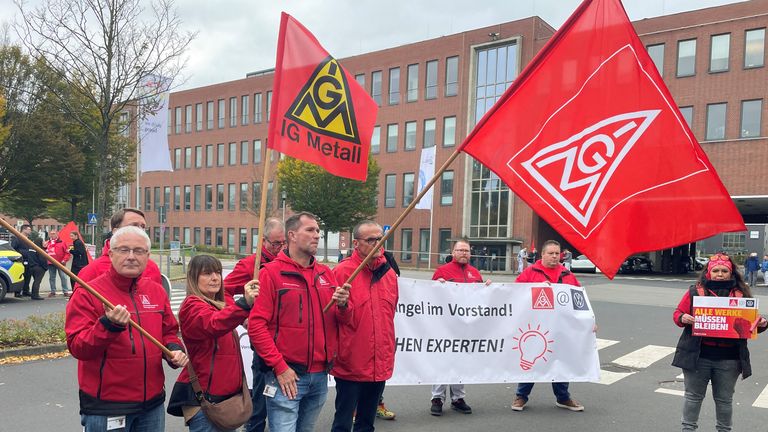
x=104, y=50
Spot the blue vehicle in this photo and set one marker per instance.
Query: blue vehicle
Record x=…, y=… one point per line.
x=11, y=270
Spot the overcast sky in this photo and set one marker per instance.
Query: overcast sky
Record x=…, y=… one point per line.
x=240, y=36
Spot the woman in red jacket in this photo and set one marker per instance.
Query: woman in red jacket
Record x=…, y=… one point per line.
x=207, y=318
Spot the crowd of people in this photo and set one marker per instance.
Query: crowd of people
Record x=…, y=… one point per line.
x=297, y=343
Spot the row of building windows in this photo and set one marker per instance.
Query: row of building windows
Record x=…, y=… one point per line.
x=412, y=84
x=750, y=122
x=409, y=189
x=182, y=121
x=205, y=197
x=428, y=136
x=719, y=53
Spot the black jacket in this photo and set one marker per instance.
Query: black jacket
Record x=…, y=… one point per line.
x=79, y=255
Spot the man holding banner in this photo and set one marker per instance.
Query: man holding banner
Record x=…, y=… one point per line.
x=548, y=269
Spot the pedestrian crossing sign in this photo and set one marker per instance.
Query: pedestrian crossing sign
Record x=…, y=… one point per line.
x=92, y=217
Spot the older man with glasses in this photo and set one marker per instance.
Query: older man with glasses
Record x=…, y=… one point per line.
x=458, y=270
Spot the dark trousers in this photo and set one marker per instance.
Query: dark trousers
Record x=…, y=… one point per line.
x=72, y=282
x=360, y=396
x=259, y=416
x=27, y=279
x=37, y=273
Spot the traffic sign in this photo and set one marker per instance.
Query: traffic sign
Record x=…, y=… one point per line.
x=92, y=218
x=386, y=228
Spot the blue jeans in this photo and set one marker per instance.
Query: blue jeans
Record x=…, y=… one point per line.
x=299, y=414
x=723, y=374
x=360, y=396
x=199, y=423
x=259, y=416
x=559, y=389
x=52, y=270
x=148, y=421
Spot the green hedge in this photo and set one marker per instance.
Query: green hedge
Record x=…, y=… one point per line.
x=35, y=330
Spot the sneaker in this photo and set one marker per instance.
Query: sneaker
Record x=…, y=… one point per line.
x=570, y=404
x=518, y=404
x=461, y=406
x=383, y=413
x=437, y=407
x=67, y=294
x=53, y=294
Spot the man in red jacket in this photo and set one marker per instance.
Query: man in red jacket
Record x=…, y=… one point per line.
x=457, y=270
x=119, y=371
x=122, y=218
x=290, y=331
x=548, y=269
x=234, y=283
x=367, y=342
x=57, y=249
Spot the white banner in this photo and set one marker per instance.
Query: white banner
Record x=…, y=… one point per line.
x=153, y=129
x=426, y=172
x=502, y=333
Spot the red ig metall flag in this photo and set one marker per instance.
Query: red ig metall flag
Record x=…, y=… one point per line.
x=320, y=114
x=590, y=137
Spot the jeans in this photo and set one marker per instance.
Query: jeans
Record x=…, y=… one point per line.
x=299, y=414
x=751, y=277
x=199, y=423
x=52, y=270
x=259, y=416
x=723, y=375
x=148, y=421
x=559, y=389
x=457, y=391
x=351, y=395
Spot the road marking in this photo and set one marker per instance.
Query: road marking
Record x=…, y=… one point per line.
x=670, y=392
x=644, y=357
x=608, y=377
x=762, y=400
x=605, y=343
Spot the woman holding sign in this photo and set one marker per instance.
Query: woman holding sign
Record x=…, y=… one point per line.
x=712, y=359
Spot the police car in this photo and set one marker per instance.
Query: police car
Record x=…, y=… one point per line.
x=11, y=270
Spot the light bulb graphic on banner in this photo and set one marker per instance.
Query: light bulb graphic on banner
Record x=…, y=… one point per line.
x=533, y=345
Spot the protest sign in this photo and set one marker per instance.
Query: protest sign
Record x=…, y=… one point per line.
x=725, y=317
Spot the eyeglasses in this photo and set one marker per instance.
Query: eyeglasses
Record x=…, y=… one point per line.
x=276, y=243
x=370, y=240
x=137, y=252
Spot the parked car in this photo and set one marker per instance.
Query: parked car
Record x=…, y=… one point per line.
x=583, y=264
x=636, y=264
x=701, y=262
x=11, y=270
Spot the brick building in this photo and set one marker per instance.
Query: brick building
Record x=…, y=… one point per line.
x=431, y=93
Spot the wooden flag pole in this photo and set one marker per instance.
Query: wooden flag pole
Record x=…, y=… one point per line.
x=400, y=219
x=83, y=284
x=262, y=212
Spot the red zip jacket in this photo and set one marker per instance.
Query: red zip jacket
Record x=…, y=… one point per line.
x=235, y=282
x=538, y=273
x=207, y=334
x=287, y=323
x=58, y=250
x=367, y=341
x=102, y=265
x=455, y=272
x=119, y=371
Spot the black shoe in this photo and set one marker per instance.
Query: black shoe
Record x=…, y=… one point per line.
x=461, y=406
x=17, y=295
x=437, y=407
x=37, y=298
x=26, y=294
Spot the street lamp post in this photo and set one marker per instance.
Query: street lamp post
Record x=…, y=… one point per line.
x=283, y=206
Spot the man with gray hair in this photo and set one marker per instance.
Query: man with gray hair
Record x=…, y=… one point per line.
x=120, y=372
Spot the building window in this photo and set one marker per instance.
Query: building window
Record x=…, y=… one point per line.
x=686, y=57
x=244, y=152
x=751, y=118
x=754, y=48
x=716, y=121
x=209, y=116
x=424, y=240
x=254, y=239
x=734, y=242
x=209, y=197
x=390, y=183
x=376, y=87
x=219, y=237
x=188, y=157
x=147, y=198
x=188, y=119
x=269, y=104
x=687, y=113
x=177, y=123
x=231, y=198
x=406, y=244
x=177, y=159
x=430, y=92
x=198, y=156
x=198, y=117
x=167, y=198
x=408, y=186
x=446, y=188
x=243, y=248
x=256, y=151
x=449, y=131
x=243, y=196
x=209, y=155
x=270, y=196
x=413, y=83
x=208, y=237
x=376, y=140
x=220, y=155
x=232, y=111
x=391, y=138
x=719, y=53
x=360, y=78
x=196, y=236
x=187, y=235
x=157, y=197
x=187, y=198
x=429, y=133
x=410, y=135
x=257, y=108
x=444, y=243
x=656, y=52
x=220, y=197
x=245, y=109
x=394, y=86
x=233, y=153
x=256, y=197
x=452, y=76
x=198, y=197
x=496, y=68
x=222, y=113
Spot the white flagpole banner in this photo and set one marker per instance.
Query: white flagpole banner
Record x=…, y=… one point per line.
x=502, y=333
x=426, y=172
x=153, y=129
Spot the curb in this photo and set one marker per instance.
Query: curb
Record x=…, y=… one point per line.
x=34, y=350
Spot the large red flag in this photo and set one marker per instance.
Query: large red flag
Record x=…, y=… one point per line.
x=590, y=137
x=320, y=114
